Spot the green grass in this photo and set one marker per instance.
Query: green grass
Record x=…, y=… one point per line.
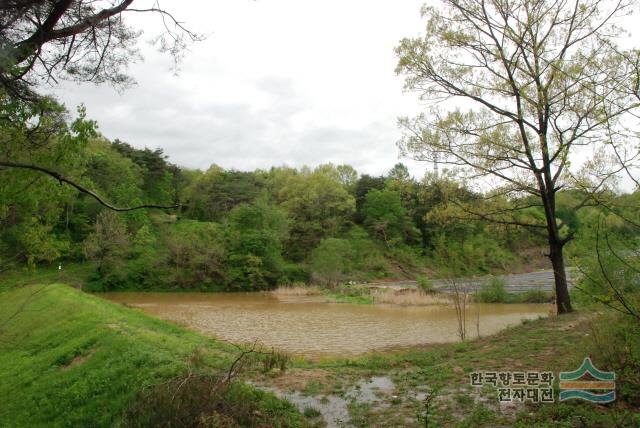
x=345, y=293
x=494, y=291
x=72, y=359
x=73, y=274
x=348, y=298
x=529, y=296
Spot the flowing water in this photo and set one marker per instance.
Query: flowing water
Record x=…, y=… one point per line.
x=308, y=325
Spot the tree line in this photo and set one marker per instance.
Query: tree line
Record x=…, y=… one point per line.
x=238, y=230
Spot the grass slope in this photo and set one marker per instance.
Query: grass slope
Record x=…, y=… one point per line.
x=72, y=359
x=73, y=274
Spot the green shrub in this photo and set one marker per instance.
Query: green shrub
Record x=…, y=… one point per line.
x=254, y=236
x=94, y=283
x=330, y=261
x=535, y=296
x=293, y=273
x=463, y=255
x=203, y=401
x=493, y=291
x=616, y=347
x=425, y=285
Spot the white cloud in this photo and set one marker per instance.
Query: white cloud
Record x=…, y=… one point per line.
x=276, y=82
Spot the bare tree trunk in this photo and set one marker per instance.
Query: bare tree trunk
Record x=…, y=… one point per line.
x=556, y=244
x=459, y=297
x=563, y=301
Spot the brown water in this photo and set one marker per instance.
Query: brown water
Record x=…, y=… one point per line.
x=310, y=326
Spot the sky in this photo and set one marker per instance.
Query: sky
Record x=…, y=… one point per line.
x=276, y=82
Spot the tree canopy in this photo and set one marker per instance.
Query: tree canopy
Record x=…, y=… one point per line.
x=80, y=40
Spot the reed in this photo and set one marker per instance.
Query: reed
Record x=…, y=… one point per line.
x=297, y=290
x=410, y=297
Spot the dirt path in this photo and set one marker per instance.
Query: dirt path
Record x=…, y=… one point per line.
x=515, y=283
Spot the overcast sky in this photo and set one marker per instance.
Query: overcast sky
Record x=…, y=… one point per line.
x=275, y=82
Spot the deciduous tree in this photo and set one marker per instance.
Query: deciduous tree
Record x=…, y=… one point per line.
x=518, y=90
x=79, y=40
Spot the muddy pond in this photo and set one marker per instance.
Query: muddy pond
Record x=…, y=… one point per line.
x=308, y=325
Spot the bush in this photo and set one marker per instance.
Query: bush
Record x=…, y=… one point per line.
x=203, y=401
x=469, y=255
x=293, y=273
x=616, y=347
x=254, y=237
x=195, y=254
x=94, y=283
x=330, y=261
x=425, y=285
x=493, y=291
x=535, y=296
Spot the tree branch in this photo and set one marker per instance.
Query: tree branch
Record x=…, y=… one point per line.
x=63, y=179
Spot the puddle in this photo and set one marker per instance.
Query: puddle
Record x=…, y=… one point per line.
x=334, y=408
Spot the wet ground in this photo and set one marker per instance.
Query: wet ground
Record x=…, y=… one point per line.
x=377, y=391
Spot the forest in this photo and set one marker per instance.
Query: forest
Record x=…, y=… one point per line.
x=237, y=230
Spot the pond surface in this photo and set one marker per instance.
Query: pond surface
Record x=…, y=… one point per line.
x=308, y=325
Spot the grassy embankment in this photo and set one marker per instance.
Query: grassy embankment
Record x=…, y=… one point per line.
x=72, y=274
x=72, y=359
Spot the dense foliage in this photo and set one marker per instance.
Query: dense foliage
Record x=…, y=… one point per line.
x=238, y=230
